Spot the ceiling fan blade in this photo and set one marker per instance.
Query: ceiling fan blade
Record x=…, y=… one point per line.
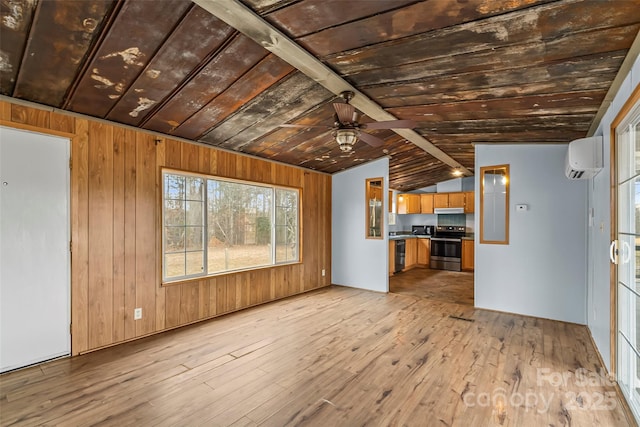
x=390, y=124
x=344, y=112
x=373, y=141
x=303, y=126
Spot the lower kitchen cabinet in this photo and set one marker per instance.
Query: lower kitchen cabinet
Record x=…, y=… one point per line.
x=411, y=254
x=424, y=251
x=467, y=255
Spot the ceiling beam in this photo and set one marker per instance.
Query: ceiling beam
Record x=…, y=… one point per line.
x=253, y=26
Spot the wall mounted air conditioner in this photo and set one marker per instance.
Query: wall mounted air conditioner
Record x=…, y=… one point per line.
x=584, y=158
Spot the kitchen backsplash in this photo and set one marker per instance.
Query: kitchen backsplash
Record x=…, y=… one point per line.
x=452, y=219
x=404, y=222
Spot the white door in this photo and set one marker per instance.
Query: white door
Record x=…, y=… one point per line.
x=34, y=248
x=625, y=252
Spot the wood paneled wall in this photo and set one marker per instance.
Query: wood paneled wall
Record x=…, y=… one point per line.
x=115, y=224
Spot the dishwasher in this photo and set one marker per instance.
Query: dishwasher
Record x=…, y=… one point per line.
x=400, y=248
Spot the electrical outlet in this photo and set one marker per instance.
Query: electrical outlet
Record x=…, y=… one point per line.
x=323, y=272
x=137, y=314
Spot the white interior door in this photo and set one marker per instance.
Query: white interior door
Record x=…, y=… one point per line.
x=34, y=248
x=625, y=252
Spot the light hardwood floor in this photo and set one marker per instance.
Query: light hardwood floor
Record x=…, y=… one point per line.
x=332, y=357
x=441, y=285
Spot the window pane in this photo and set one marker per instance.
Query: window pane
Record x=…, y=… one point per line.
x=286, y=225
x=195, y=188
x=174, y=239
x=238, y=217
x=174, y=265
x=194, y=238
x=194, y=214
x=174, y=212
x=174, y=186
x=195, y=262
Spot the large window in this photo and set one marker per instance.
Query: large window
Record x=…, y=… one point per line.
x=213, y=225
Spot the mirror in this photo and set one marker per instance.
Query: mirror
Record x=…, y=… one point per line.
x=375, y=205
x=494, y=204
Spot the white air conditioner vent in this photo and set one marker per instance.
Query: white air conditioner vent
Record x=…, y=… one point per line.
x=584, y=158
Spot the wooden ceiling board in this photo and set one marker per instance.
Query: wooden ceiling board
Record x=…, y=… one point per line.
x=15, y=20
x=293, y=96
x=399, y=24
x=137, y=33
x=198, y=35
x=535, y=52
x=310, y=16
x=263, y=75
x=61, y=37
x=237, y=57
x=524, y=106
x=583, y=73
x=459, y=44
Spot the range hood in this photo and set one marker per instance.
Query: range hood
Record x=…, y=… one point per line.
x=441, y=211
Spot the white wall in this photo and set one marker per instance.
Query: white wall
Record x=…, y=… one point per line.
x=542, y=271
x=599, y=296
x=356, y=261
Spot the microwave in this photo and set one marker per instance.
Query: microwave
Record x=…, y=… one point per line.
x=423, y=230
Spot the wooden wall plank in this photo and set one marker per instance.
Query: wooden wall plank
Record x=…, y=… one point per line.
x=80, y=238
x=118, y=234
x=146, y=280
x=62, y=122
x=30, y=116
x=129, y=143
x=100, y=235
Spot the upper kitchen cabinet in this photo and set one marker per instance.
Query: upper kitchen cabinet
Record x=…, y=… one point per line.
x=390, y=201
x=469, y=202
x=441, y=200
x=426, y=203
x=408, y=203
x=448, y=200
x=456, y=200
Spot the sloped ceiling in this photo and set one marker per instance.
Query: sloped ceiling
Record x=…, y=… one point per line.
x=517, y=71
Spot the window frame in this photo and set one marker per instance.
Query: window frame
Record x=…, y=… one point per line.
x=165, y=281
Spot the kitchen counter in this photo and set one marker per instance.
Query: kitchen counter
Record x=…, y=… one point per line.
x=408, y=236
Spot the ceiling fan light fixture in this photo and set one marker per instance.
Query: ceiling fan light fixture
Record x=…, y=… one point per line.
x=346, y=138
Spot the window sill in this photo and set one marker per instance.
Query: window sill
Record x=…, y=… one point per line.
x=226, y=273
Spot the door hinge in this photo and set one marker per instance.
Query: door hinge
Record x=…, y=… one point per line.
x=70, y=246
x=70, y=328
x=70, y=163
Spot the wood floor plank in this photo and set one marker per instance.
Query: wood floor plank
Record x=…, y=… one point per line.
x=335, y=356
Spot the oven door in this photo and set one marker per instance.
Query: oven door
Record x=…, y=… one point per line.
x=446, y=254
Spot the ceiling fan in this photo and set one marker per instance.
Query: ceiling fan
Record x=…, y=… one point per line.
x=347, y=130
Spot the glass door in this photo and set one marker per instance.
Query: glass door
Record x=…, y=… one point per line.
x=625, y=253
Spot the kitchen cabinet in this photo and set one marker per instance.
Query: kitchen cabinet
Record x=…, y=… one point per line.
x=411, y=254
x=456, y=200
x=441, y=200
x=469, y=201
x=392, y=257
x=426, y=203
x=424, y=251
x=390, y=201
x=467, y=255
x=408, y=203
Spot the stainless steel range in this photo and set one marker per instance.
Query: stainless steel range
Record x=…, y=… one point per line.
x=446, y=247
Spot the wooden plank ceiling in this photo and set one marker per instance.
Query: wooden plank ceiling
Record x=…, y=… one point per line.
x=518, y=71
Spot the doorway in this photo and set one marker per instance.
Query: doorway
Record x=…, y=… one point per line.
x=34, y=249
